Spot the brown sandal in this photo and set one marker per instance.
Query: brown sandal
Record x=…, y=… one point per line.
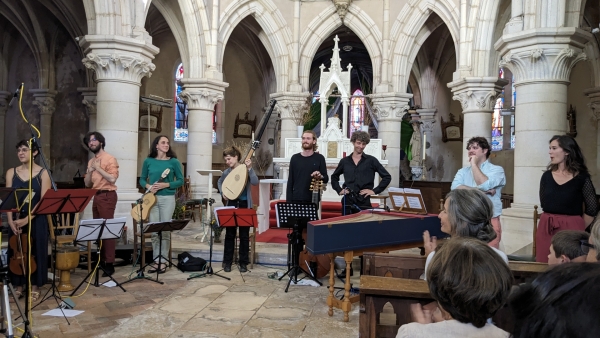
x=18, y=294
x=34, y=296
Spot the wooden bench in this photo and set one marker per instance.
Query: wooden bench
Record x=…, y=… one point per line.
x=393, y=280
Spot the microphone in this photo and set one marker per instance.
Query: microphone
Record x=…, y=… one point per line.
x=15, y=95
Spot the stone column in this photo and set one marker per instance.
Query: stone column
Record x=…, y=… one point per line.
x=345, y=104
x=201, y=96
x=44, y=100
x=287, y=103
x=89, y=101
x=4, y=100
x=594, y=105
x=120, y=63
x=541, y=63
x=477, y=97
x=389, y=108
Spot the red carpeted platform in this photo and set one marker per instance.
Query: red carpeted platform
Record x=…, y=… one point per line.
x=273, y=235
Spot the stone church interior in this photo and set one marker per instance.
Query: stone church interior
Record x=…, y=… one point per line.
x=448, y=94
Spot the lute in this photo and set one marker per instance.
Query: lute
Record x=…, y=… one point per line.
x=235, y=182
x=147, y=201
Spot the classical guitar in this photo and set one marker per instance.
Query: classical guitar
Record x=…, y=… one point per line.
x=147, y=201
x=235, y=182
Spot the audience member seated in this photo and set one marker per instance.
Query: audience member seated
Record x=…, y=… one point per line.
x=593, y=255
x=558, y=303
x=467, y=213
x=567, y=246
x=470, y=283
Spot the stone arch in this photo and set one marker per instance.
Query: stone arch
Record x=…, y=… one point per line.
x=273, y=24
x=193, y=34
x=178, y=30
x=483, y=39
x=409, y=27
x=325, y=23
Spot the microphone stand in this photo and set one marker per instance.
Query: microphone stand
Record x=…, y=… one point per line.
x=34, y=142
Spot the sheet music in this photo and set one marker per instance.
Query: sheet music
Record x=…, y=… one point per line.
x=413, y=202
x=219, y=208
x=398, y=200
x=88, y=228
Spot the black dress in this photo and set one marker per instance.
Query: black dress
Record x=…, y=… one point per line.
x=39, y=235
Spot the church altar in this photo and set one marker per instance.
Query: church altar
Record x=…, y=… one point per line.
x=332, y=144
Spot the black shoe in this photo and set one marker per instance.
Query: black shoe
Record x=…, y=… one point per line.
x=227, y=268
x=243, y=268
x=343, y=273
x=109, y=269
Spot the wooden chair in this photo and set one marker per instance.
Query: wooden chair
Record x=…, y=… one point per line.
x=66, y=231
x=139, y=243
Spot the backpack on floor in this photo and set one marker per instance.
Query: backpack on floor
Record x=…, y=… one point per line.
x=187, y=262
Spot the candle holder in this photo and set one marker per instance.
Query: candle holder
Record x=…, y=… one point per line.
x=384, y=148
x=424, y=174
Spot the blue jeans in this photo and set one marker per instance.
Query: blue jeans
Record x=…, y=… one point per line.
x=162, y=211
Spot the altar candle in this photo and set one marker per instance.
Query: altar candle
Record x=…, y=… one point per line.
x=424, y=146
x=344, y=155
x=252, y=136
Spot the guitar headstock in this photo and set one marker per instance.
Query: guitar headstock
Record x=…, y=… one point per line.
x=255, y=144
x=316, y=185
x=165, y=173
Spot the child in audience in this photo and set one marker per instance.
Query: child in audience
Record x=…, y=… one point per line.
x=470, y=283
x=567, y=246
x=559, y=303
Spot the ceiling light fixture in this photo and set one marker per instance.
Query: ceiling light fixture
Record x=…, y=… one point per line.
x=347, y=48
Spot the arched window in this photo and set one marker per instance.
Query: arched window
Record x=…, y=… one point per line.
x=357, y=112
x=181, y=111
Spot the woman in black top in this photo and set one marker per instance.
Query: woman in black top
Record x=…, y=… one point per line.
x=567, y=194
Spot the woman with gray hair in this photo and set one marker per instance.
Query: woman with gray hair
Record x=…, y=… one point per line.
x=466, y=213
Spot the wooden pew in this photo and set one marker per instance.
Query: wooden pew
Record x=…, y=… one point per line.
x=394, y=279
x=376, y=292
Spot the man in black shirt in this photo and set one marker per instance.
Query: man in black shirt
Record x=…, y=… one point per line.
x=359, y=174
x=303, y=167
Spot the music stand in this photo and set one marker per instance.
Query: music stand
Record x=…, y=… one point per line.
x=159, y=227
x=97, y=230
x=10, y=200
x=65, y=201
x=243, y=217
x=295, y=216
x=209, y=269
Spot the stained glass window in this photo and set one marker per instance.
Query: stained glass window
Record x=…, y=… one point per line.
x=498, y=130
x=357, y=112
x=181, y=111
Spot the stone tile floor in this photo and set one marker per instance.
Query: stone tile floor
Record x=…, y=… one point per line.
x=250, y=305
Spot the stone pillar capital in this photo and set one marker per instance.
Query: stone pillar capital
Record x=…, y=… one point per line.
x=390, y=106
x=292, y=105
x=117, y=58
x=202, y=93
x=477, y=94
x=89, y=99
x=44, y=100
x=543, y=54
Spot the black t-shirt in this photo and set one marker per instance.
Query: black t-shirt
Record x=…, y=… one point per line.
x=301, y=167
x=570, y=197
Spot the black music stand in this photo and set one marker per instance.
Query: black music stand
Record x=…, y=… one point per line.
x=97, y=230
x=158, y=227
x=10, y=200
x=209, y=269
x=295, y=216
x=242, y=217
x=65, y=201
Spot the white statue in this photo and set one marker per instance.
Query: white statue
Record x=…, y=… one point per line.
x=415, y=145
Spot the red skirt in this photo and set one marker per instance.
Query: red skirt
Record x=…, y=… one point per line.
x=548, y=226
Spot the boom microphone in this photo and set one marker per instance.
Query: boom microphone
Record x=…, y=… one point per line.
x=16, y=94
